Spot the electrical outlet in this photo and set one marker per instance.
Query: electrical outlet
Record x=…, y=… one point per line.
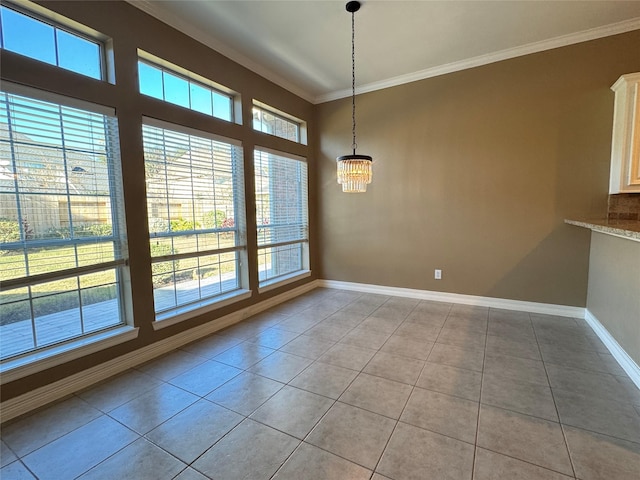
x=438, y=274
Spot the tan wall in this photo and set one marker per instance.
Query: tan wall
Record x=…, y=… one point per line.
x=131, y=29
x=474, y=173
x=614, y=289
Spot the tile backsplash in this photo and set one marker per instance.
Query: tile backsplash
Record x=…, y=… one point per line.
x=624, y=206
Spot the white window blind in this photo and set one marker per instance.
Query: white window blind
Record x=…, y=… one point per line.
x=267, y=121
x=61, y=222
x=195, y=204
x=281, y=214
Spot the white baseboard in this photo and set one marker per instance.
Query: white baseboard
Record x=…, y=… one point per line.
x=626, y=362
x=531, y=307
x=39, y=397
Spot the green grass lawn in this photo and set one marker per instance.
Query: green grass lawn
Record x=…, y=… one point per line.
x=98, y=286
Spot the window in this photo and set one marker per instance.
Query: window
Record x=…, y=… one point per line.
x=195, y=203
x=42, y=40
x=61, y=228
x=281, y=215
x=168, y=85
x=265, y=119
x=625, y=149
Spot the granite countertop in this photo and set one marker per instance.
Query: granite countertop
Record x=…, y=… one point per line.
x=620, y=228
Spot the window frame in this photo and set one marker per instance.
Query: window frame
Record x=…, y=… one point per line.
x=181, y=312
x=58, y=22
x=93, y=340
x=190, y=78
x=301, y=125
x=304, y=270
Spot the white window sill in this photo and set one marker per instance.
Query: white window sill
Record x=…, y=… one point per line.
x=284, y=280
x=30, y=363
x=180, y=314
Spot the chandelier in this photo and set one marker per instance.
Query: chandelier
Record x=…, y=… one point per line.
x=354, y=171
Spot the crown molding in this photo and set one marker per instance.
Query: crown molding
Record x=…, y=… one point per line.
x=150, y=8
x=557, y=42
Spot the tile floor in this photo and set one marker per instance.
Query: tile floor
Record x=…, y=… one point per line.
x=342, y=385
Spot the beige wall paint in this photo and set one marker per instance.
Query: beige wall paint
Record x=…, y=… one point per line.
x=474, y=173
x=130, y=29
x=614, y=289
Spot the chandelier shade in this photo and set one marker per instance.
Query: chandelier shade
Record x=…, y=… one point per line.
x=355, y=171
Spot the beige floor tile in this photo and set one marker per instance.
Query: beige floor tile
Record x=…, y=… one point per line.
x=308, y=346
x=494, y=466
x=344, y=318
x=461, y=338
x=363, y=338
x=521, y=331
x=382, y=325
x=427, y=319
x=582, y=359
x=194, y=430
x=348, y=356
x=523, y=369
x=190, y=474
x=454, y=381
x=244, y=355
x=596, y=384
x=205, y=377
x=6, y=455
x=141, y=459
x=293, y=411
x=16, y=471
x=471, y=359
x=377, y=395
x=406, y=347
x=171, y=365
x=519, y=396
x=273, y=337
x=311, y=463
x=451, y=416
x=416, y=331
x=80, y=450
x=475, y=323
x=600, y=457
x=32, y=432
x=531, y=439
x=211, y=346
x=324, y=379
x=395, y=367
x=281, y=366
x=146, y=412
x=474, y=312
x=512, y=316
x=500, y=345
x=329, y=331
x=353, y=433
x=435, y=308
x=417, y=454
x=250, y=451
x=366, y=304
x=603, y=416
x=119, y=390
x=245, y=393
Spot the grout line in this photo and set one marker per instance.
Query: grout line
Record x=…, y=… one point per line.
x=484, y=357
x=564, y=435
x=413, y=387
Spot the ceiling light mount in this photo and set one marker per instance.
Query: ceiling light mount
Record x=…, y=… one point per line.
x=354, y=171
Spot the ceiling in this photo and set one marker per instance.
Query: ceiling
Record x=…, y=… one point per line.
x=305, y=45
